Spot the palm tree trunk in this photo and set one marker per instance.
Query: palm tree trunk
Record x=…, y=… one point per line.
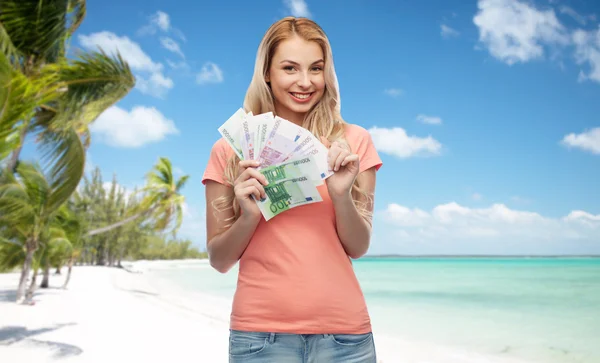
x=25, y=271
x=119, y=224
x=46, y=279
x=31, y=289
x=64, y=286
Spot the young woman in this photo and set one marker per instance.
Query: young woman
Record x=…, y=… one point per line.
x=297, y=297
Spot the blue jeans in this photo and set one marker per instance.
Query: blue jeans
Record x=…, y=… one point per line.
x=254, y=347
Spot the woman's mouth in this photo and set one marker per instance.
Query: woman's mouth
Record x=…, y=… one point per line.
x=301, y=97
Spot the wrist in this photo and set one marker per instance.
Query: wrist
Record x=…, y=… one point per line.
x=250, y=219
x=341, y=198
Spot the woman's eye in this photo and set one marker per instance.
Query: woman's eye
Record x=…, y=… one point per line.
x=317, y=69
x=288, y=68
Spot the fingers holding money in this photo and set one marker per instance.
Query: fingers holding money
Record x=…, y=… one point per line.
x=337, y=156
x=250, y=187
x=250, y=181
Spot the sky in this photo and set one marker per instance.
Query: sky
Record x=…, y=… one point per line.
x=486, y=113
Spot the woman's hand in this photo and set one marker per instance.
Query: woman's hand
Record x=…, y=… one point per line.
x=345, y=166
x=250, y=182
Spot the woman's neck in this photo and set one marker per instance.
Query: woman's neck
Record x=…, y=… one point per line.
x=296, y=118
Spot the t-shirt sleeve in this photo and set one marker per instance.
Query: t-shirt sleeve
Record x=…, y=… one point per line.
x=362, y=145
x=217, y=161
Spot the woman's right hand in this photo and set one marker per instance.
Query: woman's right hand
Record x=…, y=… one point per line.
x=250, y=182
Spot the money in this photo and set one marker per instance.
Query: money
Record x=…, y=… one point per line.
x=285, y=194
x=231, y=130
x=292, y=159
x=282, y=140
x=302, y=166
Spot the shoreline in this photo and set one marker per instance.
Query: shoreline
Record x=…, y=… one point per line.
x=111, y=314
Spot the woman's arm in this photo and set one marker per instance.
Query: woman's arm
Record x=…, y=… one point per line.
x=225, y=247
x=353, y=229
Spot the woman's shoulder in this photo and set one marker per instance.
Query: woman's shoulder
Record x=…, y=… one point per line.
x=221, y=149
x=356, y=134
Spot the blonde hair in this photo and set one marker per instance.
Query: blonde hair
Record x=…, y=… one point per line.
x=324, y=119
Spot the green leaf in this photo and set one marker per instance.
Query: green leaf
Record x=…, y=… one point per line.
x=37, y=28
x=64, y=154
x=7, y=47
x=5, y=77
x=77, y=10
x=94, y=83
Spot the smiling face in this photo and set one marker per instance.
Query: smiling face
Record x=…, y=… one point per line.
x=297, y=79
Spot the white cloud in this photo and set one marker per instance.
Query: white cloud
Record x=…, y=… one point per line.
x=156, y=84
x=171, y=45
x=448, y=32
x=588, y=141
x=495, y=229
x=431, y=120
x=396, y=142
x=587, y=50
x=130, y=50
x=131, y=129
x=210, y=73
x=162, y=20
x=514, y=31
x=298, y=8
x=393, y=92
x=158, y=21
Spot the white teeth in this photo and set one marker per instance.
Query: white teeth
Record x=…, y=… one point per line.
x=301, y=96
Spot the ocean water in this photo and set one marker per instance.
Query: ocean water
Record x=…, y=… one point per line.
x=538, y=309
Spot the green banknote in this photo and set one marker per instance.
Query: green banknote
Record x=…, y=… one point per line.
x=285, y=194
x=293, y=168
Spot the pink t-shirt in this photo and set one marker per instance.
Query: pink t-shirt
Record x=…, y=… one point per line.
x=294, y=276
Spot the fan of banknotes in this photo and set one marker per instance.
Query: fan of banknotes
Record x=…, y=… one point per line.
x=291, y=158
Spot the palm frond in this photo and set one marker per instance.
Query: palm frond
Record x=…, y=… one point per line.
x=5, y=81
x=37, y=28
x=7, y=47
x=181, y=183
x=23, y=96
x=77, y=11
x=35, y=183
x=12, y=254
x=94, y=83
x=15, y=210
x=65, y=157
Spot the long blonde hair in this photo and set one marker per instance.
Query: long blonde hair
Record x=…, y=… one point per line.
x=324, y=119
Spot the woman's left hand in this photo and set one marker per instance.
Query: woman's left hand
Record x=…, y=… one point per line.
x=345, y=166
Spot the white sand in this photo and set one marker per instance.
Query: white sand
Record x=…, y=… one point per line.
x=111, y=315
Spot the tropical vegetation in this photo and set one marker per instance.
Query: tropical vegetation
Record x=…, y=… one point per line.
x=51, y=214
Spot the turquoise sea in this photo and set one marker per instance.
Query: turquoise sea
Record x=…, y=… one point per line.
x=538, y=309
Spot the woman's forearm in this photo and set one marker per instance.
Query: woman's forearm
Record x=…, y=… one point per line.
x=354, y=231
x=225, y=249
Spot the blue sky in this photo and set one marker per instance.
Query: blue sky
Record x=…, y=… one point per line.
x=485, y=113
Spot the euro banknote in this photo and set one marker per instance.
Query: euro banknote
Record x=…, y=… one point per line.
x=301, y=166
x=285, y=194
x=287, y=153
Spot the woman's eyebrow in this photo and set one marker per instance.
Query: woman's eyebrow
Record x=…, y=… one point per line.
x=296, y=63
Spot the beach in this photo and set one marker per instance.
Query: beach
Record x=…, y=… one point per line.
x=117, y=315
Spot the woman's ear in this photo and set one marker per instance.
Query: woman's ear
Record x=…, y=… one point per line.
x=267, y=78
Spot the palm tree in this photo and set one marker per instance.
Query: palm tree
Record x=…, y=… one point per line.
x=44, y=93
x=162, y=204
x=30, y=204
